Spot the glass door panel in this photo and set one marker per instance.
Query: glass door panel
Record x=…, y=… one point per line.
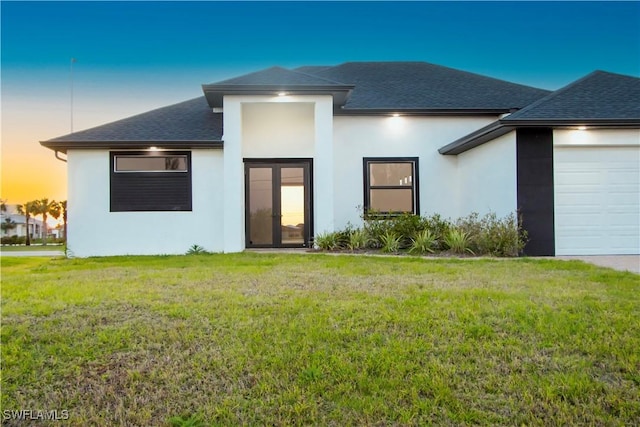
x=260, y=205
x=292, y=205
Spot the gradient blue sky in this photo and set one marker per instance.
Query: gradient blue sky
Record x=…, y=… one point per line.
x=135, y=56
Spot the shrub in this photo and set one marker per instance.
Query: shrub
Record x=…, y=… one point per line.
x=13, y=240
x=494, y=236
x=390, y=242
x=328, y=241
x=439, y=227
x=375, y=229
x=423, y=242
x=9, y=240
x=405, y=226
x=358, y=239
x=457, y=240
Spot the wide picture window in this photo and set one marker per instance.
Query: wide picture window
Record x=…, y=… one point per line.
x=150, y=181
x=391, y=186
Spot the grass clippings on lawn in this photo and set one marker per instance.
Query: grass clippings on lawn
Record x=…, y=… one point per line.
x=282, y=339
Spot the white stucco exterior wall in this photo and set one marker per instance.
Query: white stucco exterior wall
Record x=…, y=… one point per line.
x=596, y=137
x=278, y=130
x=488, y=178
x=95, y=231
x=404, y=136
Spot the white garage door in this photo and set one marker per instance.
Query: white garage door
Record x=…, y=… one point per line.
x=597, y=200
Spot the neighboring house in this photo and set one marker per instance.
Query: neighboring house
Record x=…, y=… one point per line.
x=275, y=157
x=35, y=225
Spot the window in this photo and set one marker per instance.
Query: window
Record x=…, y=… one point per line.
x=391, y=185
x=150, y=181
x=147, y=163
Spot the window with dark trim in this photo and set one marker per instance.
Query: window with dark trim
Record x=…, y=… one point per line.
x=391, y=185
x=147, y=163
x=150, y=181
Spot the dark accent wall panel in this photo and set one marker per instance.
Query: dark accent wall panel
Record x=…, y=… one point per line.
x=534, y=148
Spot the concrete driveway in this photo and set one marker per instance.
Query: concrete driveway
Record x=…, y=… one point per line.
x=32, y=253
x=617, y=262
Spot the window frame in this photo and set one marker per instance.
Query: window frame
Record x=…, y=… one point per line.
x=149, y=155
x=146, y=191
x=415, y=187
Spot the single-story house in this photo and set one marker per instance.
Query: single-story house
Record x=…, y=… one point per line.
x=275, y=157
x=19, y=224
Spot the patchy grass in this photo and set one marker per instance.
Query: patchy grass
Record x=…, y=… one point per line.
x=275, y=339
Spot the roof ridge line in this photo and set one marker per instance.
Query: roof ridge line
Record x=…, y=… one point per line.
x=316, y=76
x=552, y=95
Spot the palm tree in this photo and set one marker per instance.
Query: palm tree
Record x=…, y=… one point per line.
x=63, y=206
x=27, y=209
x=45, y=207
x=8, y=225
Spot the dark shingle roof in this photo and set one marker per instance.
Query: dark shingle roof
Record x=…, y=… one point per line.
x=276, y=76
x=188, y=123
x=273, y=80
x=424, y=86
x=311, y=69
x=600, y=99
x=357, y=87
x=597, y=96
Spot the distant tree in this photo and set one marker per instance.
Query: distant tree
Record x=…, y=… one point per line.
x=3, y=206
x=63, y=207
x=7, y=225
x=27, y=210
x=45, y=208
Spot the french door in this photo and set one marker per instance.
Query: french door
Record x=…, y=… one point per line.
x=278, y=203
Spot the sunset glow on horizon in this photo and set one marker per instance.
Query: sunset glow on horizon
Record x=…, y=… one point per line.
x=133, y=57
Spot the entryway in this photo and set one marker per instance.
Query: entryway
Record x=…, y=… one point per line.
x=278, y=203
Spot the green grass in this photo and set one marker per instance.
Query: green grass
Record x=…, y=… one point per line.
x=282, y=339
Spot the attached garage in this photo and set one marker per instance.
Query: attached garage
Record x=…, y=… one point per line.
x=578, y=166
x=597, y=200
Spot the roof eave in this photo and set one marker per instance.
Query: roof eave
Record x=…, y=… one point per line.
x=504, y=126
x=215, y=93
x=474, y=139
x=63, y=146
x=418, y=112
x=600, y=123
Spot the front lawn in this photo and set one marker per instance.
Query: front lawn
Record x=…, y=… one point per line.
x=285, y=339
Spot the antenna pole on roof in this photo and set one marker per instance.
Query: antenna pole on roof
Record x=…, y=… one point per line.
x=71, y=93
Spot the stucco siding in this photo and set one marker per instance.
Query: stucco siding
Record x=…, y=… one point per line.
x=404, y=136
x=488, y=178
x=95, y=231
x=282, y=130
